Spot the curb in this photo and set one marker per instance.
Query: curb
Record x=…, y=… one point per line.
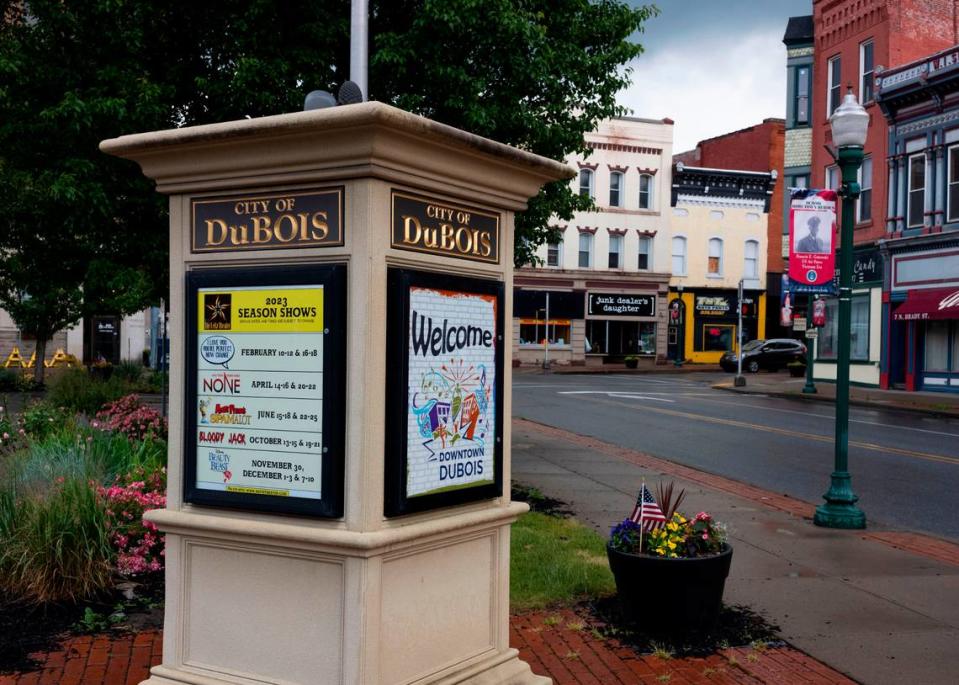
x=938, y=413
x=600, y=370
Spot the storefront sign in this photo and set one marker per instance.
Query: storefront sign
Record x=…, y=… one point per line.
x=866, y=268
x=263, y=395
x=438, y=227
x=812, y=233
x=612, y=304
x=444, y=428
x=712, y=305
x=269, y=222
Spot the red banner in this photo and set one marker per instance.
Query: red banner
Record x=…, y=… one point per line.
x=812, y=237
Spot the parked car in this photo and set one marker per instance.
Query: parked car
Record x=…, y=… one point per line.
x=771, y=354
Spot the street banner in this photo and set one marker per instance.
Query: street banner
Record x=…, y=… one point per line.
x=812, y=240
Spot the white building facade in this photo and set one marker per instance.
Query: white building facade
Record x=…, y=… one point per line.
x=605, y=283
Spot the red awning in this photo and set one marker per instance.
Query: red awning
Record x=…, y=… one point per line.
x=923, y=305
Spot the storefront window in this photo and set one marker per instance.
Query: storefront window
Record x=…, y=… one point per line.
x=937, y=346
x=620, y=338
x=858, y=333
x=535, y=332
x=718, y=337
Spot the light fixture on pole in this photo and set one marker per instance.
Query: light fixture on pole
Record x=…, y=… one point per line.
x=849, y=124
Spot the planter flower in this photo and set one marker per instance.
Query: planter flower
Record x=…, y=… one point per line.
x=670, y=571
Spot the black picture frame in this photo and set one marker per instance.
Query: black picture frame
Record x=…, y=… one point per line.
x=399, y=283
x=333, y=279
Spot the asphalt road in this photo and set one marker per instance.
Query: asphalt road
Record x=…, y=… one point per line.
x=905, y=466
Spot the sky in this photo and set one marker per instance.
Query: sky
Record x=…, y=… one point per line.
x=712, y=66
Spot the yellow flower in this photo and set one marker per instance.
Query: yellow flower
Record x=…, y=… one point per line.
x=673, y=527
x=671, y=544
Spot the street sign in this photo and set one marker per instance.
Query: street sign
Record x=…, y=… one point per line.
x=799, y=324
x=812, y=334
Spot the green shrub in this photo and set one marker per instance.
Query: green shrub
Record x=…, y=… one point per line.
x=77, y=390
x=54, y=538
x=41, y=418
x=128, y=372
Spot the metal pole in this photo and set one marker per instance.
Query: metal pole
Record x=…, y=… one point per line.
x=546, y=346
x=740, y=381
x=359, y=38
x=810, y=387
x=840, y=509
x=163, y=363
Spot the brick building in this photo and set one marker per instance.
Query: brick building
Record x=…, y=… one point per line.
x=855, y=41
x=758, y=148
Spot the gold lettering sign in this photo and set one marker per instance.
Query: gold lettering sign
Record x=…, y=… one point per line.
x=267, y=222
x=439, y=227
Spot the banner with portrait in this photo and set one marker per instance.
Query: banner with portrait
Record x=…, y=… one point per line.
x=812, y=237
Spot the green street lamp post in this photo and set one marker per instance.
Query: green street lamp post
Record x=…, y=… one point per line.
x=849, y=124
x=810, y=387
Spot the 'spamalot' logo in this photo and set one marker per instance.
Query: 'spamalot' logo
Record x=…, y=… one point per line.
x=217, y=311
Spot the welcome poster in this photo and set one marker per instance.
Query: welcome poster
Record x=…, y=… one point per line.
x=451, y=431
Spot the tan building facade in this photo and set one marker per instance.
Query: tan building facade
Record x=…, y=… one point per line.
x=605, y=283
x=718, y=237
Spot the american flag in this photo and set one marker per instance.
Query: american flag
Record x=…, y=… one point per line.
x=647, y=512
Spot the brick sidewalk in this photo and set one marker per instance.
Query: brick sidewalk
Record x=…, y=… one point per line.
x=559, y=644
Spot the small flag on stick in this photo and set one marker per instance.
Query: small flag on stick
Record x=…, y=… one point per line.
x=646, y=512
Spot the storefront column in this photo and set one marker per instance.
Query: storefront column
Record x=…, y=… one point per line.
x=911, y=356
x=884, y=348
x=929, y=190
x=761, y=316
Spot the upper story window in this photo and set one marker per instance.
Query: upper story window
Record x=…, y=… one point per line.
x=615, y=189
x=554, y=254
x=615, y=251
x=915, y=204
x=645, y=262
x=832, y=177
x=715, y=256
x=679, y=256
x=585, y=250
x=586, y=182
x=751, y=261
x=801, y=181
x=645, y=191
x=864, y=203
x=834, y=84
x=802, y=95
x=952, y=203
x=866, y=71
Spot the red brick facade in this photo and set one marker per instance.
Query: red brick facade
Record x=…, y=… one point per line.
x=901, y=31
x=757, y=148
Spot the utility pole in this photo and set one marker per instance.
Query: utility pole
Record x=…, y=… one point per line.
x=740, y=380
x=359, y=41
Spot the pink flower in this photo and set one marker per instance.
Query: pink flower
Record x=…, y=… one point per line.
x=705, y=536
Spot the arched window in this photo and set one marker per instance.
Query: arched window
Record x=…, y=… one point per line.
x=586, y=182
x=615, y=251
x=585, y=250
x=715, y=257
x=645, y=262
x=645, y=191
x=679, y=256
x=751, y=264
x=616, y=189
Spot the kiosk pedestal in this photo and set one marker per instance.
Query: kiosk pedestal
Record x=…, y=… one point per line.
x=338, y=507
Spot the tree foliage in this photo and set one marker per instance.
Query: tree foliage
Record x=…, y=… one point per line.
x=537, y=74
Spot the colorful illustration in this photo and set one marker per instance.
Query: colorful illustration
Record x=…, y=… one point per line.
x=451, y=405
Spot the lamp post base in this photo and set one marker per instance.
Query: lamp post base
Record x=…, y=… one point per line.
x=739, y=381
x=809, y=390
x=840, y=510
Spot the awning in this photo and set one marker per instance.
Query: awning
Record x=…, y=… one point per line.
x=924, y=305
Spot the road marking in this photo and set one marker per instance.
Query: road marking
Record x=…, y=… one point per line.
x=612, y=393
x=789, y=433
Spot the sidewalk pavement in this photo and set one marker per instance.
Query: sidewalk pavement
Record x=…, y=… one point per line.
x=879, y=606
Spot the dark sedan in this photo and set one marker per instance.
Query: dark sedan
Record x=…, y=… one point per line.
x=772, y=354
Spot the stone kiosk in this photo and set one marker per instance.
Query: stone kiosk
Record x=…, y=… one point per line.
x=339, y=437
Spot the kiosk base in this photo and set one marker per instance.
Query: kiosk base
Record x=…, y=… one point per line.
x=255, y=600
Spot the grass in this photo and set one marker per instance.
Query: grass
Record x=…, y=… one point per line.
x=556, y=561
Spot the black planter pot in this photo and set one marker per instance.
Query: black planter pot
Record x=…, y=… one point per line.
x=670, y=596
x=631, y=363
